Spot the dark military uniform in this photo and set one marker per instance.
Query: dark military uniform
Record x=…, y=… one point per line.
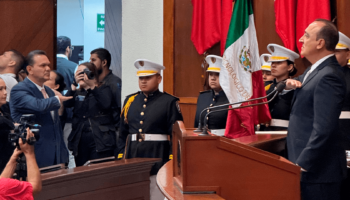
x=344, y=127
x=216, y=120
x=150, y=115
x=280, y=107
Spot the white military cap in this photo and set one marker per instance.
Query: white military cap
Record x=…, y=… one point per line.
x=215, y=63
x=344, y=42
x=265, y=65
x=147, y=68
x=280, y=53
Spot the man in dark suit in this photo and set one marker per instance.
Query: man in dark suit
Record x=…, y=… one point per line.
x=314, y=140
x=32, y=97
x=64, y=65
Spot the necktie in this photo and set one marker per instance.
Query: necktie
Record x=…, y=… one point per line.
x=306, y=75
x=44, y=93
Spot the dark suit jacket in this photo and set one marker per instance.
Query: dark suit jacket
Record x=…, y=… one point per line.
x=314, y=140
x=27, y=99
x=66, y=69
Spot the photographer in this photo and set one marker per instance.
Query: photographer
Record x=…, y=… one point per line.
x=14, y=189
x=93, y=131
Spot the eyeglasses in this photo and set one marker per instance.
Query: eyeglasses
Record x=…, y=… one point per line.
x=72, y=47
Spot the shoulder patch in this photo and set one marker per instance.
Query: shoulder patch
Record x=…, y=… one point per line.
x=172, y=96
x=204, y=91
x=268, y=87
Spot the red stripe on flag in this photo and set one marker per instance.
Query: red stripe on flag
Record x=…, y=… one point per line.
x=240, y=122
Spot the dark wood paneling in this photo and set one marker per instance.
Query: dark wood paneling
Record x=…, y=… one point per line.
x=343, y=16
x=168, y=46
x=28, y=25
x=189, y=112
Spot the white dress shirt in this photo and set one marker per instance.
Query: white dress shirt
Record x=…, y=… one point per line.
x=316, y=64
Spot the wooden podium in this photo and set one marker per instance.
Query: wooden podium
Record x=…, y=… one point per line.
x=213, y=167
x=117, y=180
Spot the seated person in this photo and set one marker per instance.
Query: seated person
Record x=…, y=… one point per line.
x=93, y=131
x=282, y=68
x=213, y=97
x=266, y=69
x=6, y=124
x=18, y=190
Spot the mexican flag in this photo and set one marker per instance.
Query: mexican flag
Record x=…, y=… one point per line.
x=241, y=77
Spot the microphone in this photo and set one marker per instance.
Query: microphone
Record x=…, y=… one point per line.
x=200, y=129
x=278, y=89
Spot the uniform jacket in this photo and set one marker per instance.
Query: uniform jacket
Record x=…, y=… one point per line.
x=344, y=124
x=279, y=107
x=27, y=99
x=314, y=140
x=94, y=107
x=215, y=120
x=154, y=114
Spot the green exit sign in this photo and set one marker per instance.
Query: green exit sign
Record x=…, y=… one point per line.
x=100, y=22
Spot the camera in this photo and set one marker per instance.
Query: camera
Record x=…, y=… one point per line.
x=88, y=73
x=26, y=121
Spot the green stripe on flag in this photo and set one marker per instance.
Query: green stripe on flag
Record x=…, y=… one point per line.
x=239, y=21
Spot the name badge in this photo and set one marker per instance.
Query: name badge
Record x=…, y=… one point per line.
x=80, y=98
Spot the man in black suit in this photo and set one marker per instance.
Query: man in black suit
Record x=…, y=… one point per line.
x=314, y=140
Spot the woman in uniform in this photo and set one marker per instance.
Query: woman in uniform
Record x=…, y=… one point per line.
x=215, y=96
x=282, y=68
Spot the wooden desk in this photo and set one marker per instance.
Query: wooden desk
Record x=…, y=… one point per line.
x=220, y=168
x=115, y=180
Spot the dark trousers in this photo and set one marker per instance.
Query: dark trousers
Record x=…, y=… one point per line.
x=345, y=187
x=320, y=191
x=87, y=149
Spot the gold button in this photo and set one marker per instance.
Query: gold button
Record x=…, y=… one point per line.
x=140, y=140
x=211, y=104
x=142, y=113
x=213, y=99
x=207, y=118
x=141, y=122
x=144, y=105
x=140, y=130
x=145, y=99
x=207, y=111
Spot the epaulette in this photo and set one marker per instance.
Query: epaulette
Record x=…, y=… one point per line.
x=204, y=91
x=177, y=98
x=127, y=106
x=268, y=87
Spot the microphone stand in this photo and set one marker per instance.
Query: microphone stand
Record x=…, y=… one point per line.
x=205, y=128
x=200, y=129
x=278, y=89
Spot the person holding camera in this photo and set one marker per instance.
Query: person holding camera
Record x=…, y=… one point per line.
x=15, y=189
x=93, y=131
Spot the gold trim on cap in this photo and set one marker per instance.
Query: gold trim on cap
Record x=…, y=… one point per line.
x=268, y=67
x=342, y=46
x=277, y=58
x=146, y=72
x=213, y=69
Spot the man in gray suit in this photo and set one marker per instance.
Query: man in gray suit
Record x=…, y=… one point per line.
x=314, y=139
